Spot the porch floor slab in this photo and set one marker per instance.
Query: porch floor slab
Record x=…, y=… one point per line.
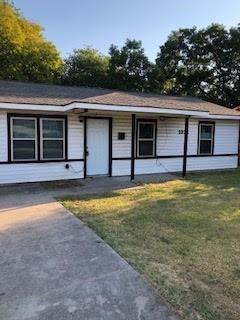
x=96, y=184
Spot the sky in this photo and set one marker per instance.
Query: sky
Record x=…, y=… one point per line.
x=73, y=24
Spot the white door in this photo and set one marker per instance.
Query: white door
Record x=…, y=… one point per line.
x=97, y=146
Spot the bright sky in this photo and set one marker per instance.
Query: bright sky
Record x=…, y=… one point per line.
x=76, y=23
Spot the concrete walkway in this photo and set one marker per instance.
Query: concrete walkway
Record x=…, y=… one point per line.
x=53, y=267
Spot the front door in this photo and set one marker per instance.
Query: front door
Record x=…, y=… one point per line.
x=97, y=146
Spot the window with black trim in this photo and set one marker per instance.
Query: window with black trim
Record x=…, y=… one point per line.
x=206, y=138
x=146, y=135
x=25, y=141
x=52, y=138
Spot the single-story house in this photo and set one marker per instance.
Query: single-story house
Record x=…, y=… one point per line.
x=50, y=132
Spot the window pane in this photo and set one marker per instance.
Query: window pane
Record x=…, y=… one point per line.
x=23, y=128
x=206, y=132
x=52, y=149
x=52, y=128
x=145, y=148
x=146, y=130
x=205, y=147
x=23, y=150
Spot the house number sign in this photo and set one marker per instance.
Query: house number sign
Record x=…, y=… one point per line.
x=181, y=131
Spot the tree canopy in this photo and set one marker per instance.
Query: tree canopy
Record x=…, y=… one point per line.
x=24, y=53
x=204, y=63
x=87, y=67
x=129, y=67
x=198, y=62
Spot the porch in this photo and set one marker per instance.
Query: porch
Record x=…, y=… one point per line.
x=133, y=143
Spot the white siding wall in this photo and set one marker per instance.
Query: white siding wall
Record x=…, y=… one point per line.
x=30, y=172
x=208, y=163
x=121, y=148
x=193, y=164
x=3, y=137
x=226, y=137
x=193, y=136
x=158, y=165
x=169, y=142
x=75, y=137
x=121, y=167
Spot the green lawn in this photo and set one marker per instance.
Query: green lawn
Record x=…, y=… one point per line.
x=183, y=236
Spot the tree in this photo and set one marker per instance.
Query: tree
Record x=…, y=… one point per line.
x=24, y=53
x=204, y=63
x=129, y=67
x=86, y=67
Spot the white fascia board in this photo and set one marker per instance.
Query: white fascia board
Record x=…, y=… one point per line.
x=220, y=117
x=102, y=107
x=31, y=107
x=163, y=111
x=106, y=107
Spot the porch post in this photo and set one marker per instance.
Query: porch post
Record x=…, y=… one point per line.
x=110, y=148
x=185, y=147
x=84, y=147
x=239, y=144
x=133, y=147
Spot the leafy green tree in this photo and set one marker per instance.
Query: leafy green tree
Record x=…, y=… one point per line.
x=129, y=68
x=204, y=63
x=86, y=67
x=24, y=53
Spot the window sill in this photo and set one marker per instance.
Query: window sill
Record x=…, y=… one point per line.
x=38, y=161
x=146, y=157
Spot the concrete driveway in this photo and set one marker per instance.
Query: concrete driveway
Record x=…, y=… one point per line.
x=52, y=266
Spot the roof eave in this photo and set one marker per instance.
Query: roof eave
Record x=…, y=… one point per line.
x=107, y=107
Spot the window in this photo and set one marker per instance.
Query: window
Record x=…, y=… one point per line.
x=52, y=139
x=146, y=138
x=23, y=139
x=206, y=138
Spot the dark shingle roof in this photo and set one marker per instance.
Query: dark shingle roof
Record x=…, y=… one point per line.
x=31, y=93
